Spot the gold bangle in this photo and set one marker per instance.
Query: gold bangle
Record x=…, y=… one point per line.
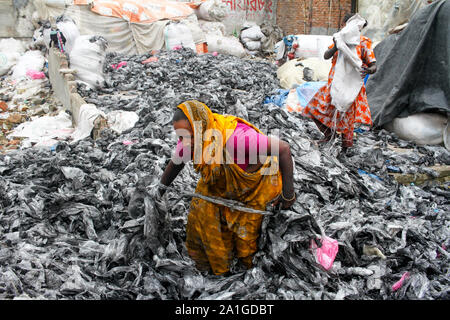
x=282, y=197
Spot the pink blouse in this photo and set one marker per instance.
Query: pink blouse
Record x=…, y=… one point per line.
x=243, y=145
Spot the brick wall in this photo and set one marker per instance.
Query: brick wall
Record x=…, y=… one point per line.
x=311, y=16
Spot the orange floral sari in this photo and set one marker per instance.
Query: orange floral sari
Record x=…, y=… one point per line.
x=321, y=109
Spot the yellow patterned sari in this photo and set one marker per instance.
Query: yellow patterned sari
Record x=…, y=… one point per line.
x=214, y=231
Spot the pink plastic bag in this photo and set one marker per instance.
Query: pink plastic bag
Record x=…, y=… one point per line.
x=120, y=64
x=326, y=253
x=151, y=59
x=33, y=74
x=129, y=142
x=399, y=283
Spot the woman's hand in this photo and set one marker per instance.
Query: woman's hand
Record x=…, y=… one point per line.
x=368, y=70
x=170, y=173
x=330, y=52
x=285, y=202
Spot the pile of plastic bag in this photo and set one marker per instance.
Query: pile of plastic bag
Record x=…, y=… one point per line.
x=72, y=226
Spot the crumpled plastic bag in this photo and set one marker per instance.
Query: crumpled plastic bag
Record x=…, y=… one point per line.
x=399, y=283
x=326, y=253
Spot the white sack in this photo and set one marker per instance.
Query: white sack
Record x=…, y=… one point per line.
x=421, y=128
x=252, y=34
x=279, y=49
x=347, y=81
x=178, y=34
x=30, y=60
x=290, y=75
x=10, y=52
x=121, y=121
x=312, y=46
x=46, y=36
x=88, y=59
x=38, y=37
x=225, y=45
x=191, y=21
x=70, y=32
x=320, y=66
x=88, y=114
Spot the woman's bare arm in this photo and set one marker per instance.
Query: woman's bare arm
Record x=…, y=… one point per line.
x=170, y=173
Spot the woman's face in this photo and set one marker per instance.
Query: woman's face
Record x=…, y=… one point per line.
x=185, y=133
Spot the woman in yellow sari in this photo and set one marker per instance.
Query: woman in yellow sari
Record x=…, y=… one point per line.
x=214, y=232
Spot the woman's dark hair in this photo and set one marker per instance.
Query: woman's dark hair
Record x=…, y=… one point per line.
x=179, y=115
x=349, y=15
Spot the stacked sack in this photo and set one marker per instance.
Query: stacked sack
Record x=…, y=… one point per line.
x=219, y=42
x=252, y=38
x=87, y=58
x=209, y=15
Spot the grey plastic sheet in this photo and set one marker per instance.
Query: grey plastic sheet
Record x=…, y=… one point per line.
x=413, y=73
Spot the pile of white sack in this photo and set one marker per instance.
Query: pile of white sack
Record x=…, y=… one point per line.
x=86, y=53
x=252, y=38
x=210, y=14
x=219, y=42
